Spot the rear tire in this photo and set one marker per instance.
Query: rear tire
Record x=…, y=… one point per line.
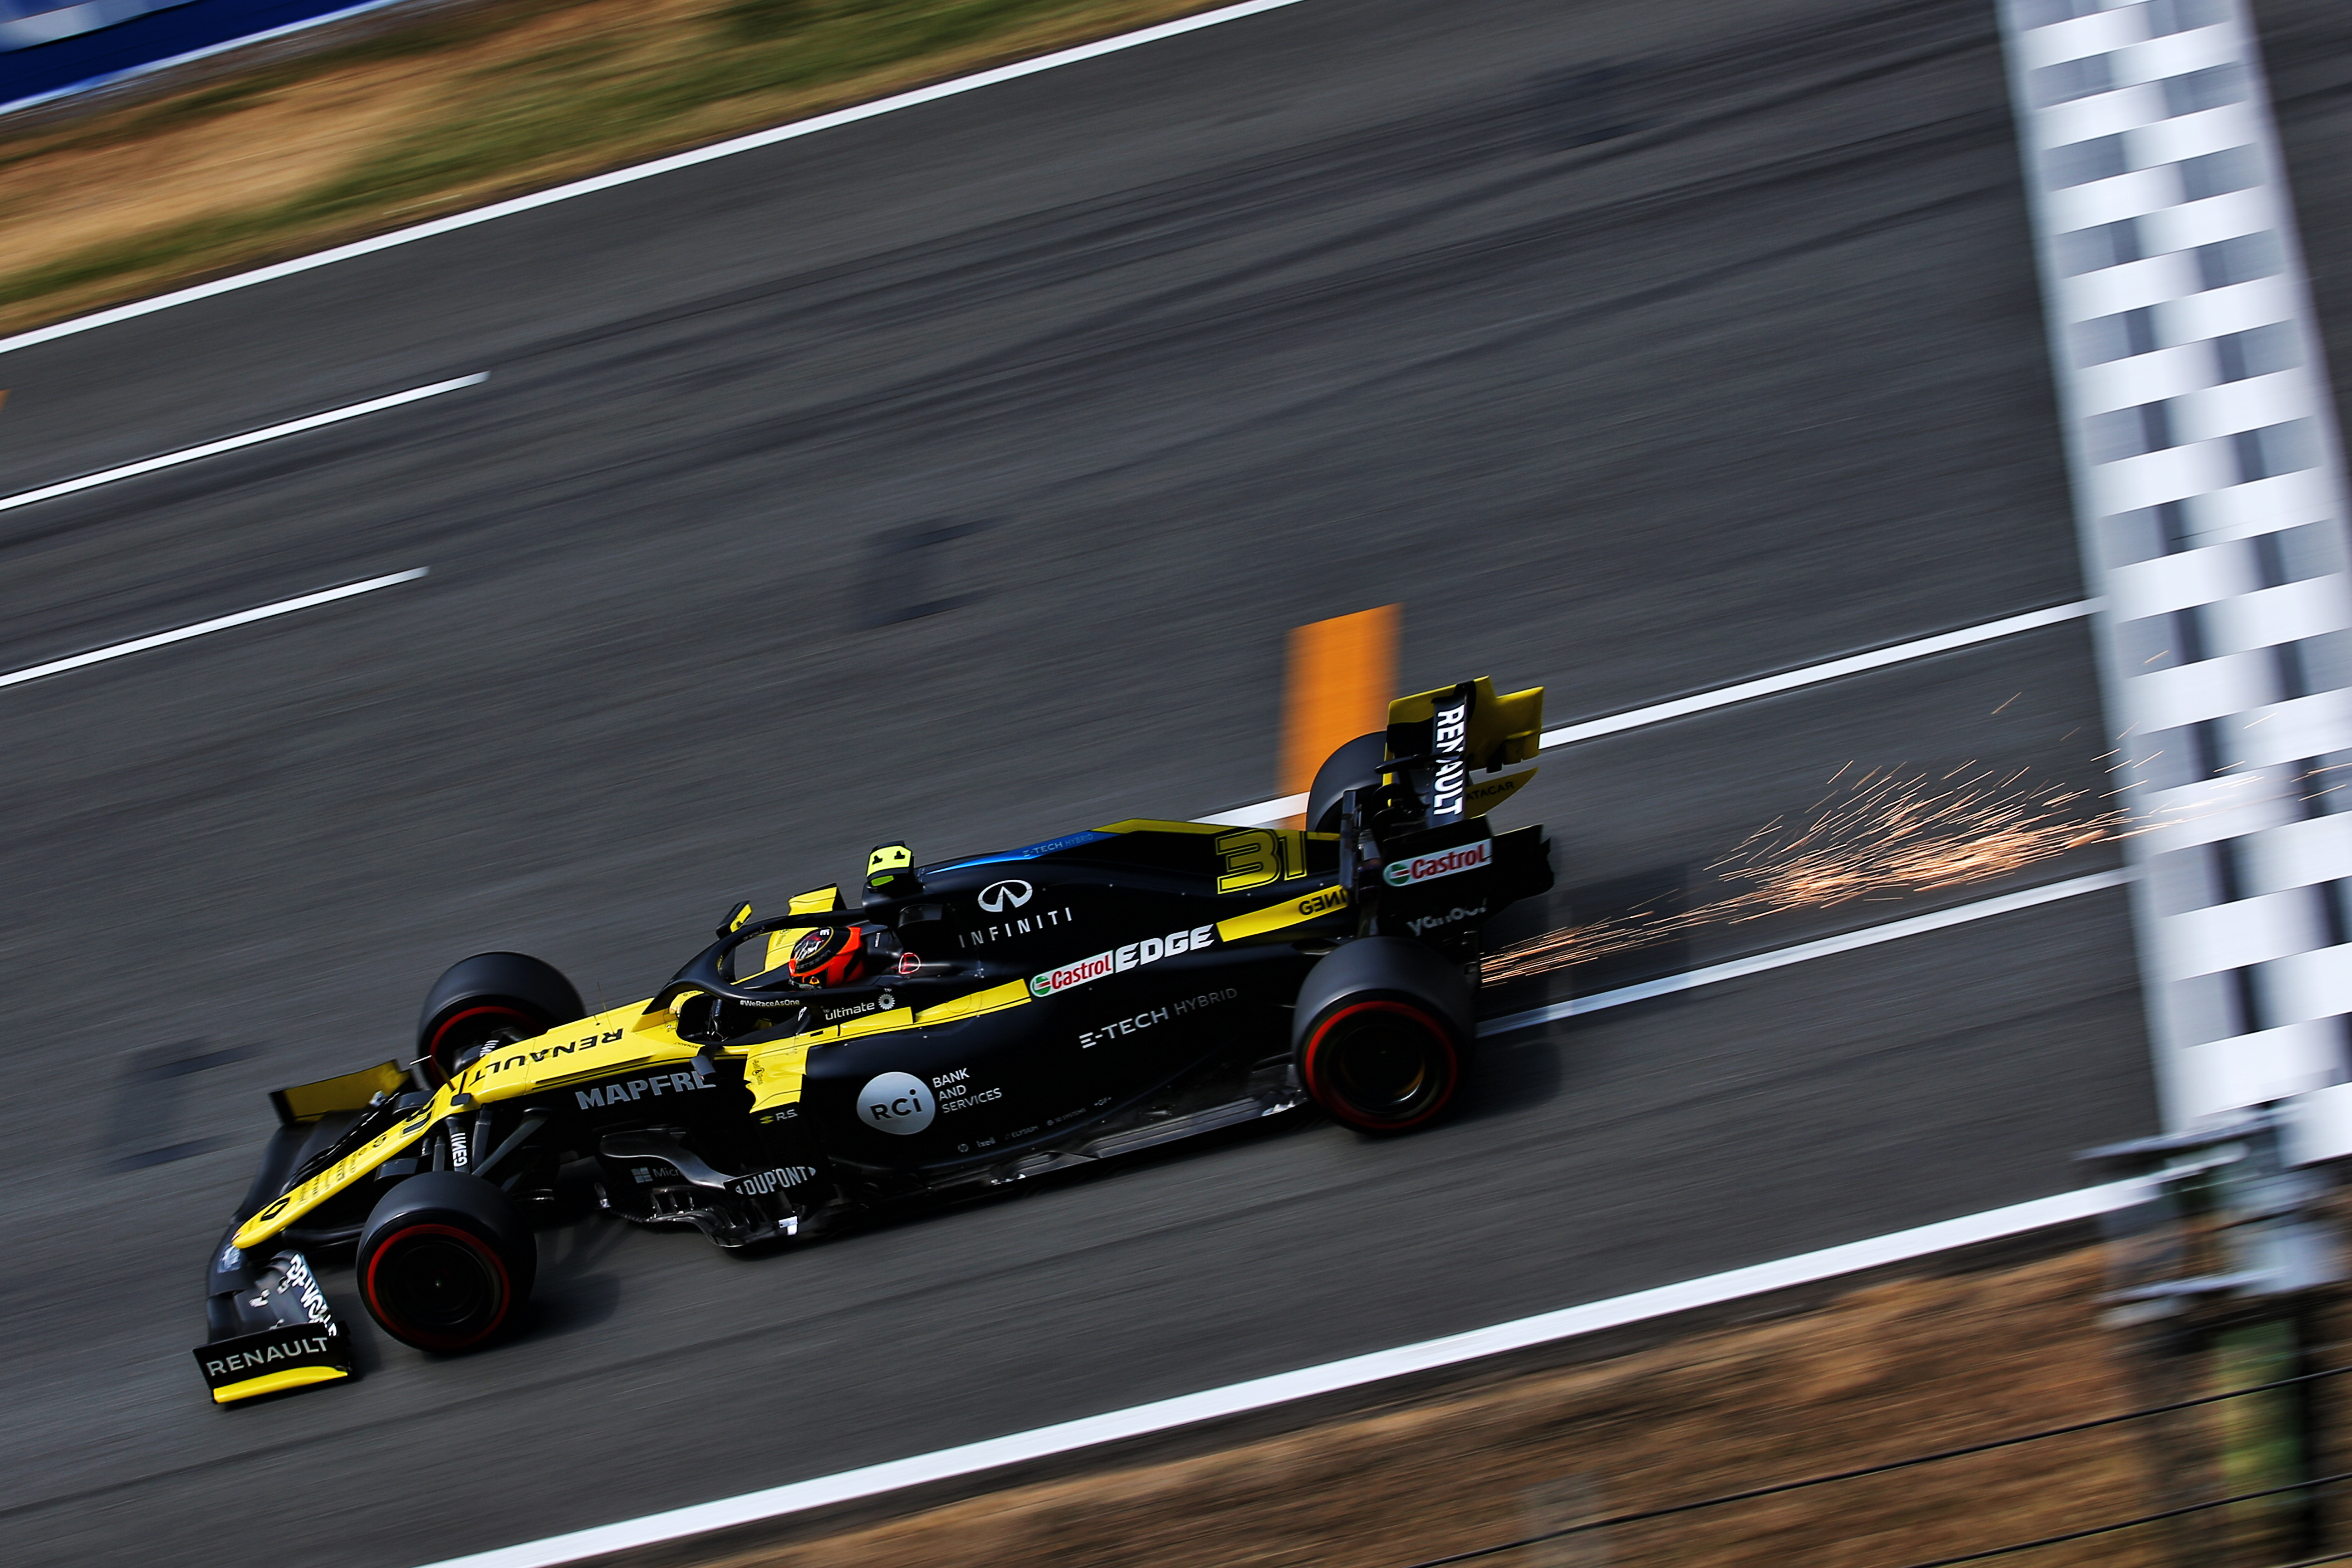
x=445, y=1262
x=491, y=998
x=1381, y=1034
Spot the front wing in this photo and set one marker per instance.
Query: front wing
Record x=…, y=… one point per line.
x=282, y=1335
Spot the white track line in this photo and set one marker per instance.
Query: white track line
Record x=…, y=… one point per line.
x=716, y=150
x=1266, y=812
x=1814, y=675
x=235, y=443
x=1893, y=931
x=243, y=617
x=1355, y=1372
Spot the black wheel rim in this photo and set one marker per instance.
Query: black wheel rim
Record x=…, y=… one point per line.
x=1384, y=1061
x=1383, y=1068
x=437, y=1286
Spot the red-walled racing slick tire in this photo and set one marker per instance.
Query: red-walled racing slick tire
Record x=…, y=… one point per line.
x=1382, y=1031
x=491, y=998
x=445, y=1262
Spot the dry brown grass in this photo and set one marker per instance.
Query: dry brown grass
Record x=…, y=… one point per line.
x=454, y=111
x=1886, y=1371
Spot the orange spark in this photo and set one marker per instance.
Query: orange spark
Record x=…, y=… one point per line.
x=1891, y=834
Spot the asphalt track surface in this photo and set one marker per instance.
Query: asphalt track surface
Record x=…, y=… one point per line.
x=954, y=475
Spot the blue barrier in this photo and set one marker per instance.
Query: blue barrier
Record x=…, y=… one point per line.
x=26, y=23
x=47, y=50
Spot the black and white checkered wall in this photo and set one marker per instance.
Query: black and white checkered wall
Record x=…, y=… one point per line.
x=2209, y=493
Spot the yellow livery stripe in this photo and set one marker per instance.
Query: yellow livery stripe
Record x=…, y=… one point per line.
x=598, y=1045
x=995, y=999
x=1289, y=912
x=1483, y=796
x=773, y=1074
x=604, y=1045
x=875, y=1024
x=300, y=1200
x=273, y=1382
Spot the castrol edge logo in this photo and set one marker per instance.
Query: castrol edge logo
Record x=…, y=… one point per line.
x=1151, y=950
x=1419, y=868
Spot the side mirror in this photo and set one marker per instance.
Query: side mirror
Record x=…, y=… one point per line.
x=735, y=919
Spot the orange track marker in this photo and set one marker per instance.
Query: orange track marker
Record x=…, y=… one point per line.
x=1342, y=674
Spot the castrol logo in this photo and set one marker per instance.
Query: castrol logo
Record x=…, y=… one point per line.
x=1415, y=869
x=1151, y=950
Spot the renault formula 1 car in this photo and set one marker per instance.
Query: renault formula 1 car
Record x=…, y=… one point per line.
x=967, y=1025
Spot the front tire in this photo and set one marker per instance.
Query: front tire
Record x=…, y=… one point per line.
x=445, y=1262
x=1381, y=1034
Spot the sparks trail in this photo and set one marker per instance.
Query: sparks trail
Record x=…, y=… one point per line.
x=1886, y=834
x=1896, y=833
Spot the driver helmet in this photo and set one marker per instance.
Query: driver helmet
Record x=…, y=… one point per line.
x=833, y=956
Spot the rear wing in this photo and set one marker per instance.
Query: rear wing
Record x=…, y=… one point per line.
x=1444, y=737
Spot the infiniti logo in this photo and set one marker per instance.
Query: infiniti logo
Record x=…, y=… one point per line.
x=998, y=896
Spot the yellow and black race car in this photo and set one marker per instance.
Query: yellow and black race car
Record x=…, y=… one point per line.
x=967, y=1024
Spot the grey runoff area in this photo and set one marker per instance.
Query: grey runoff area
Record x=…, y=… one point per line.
x=2208, y=494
